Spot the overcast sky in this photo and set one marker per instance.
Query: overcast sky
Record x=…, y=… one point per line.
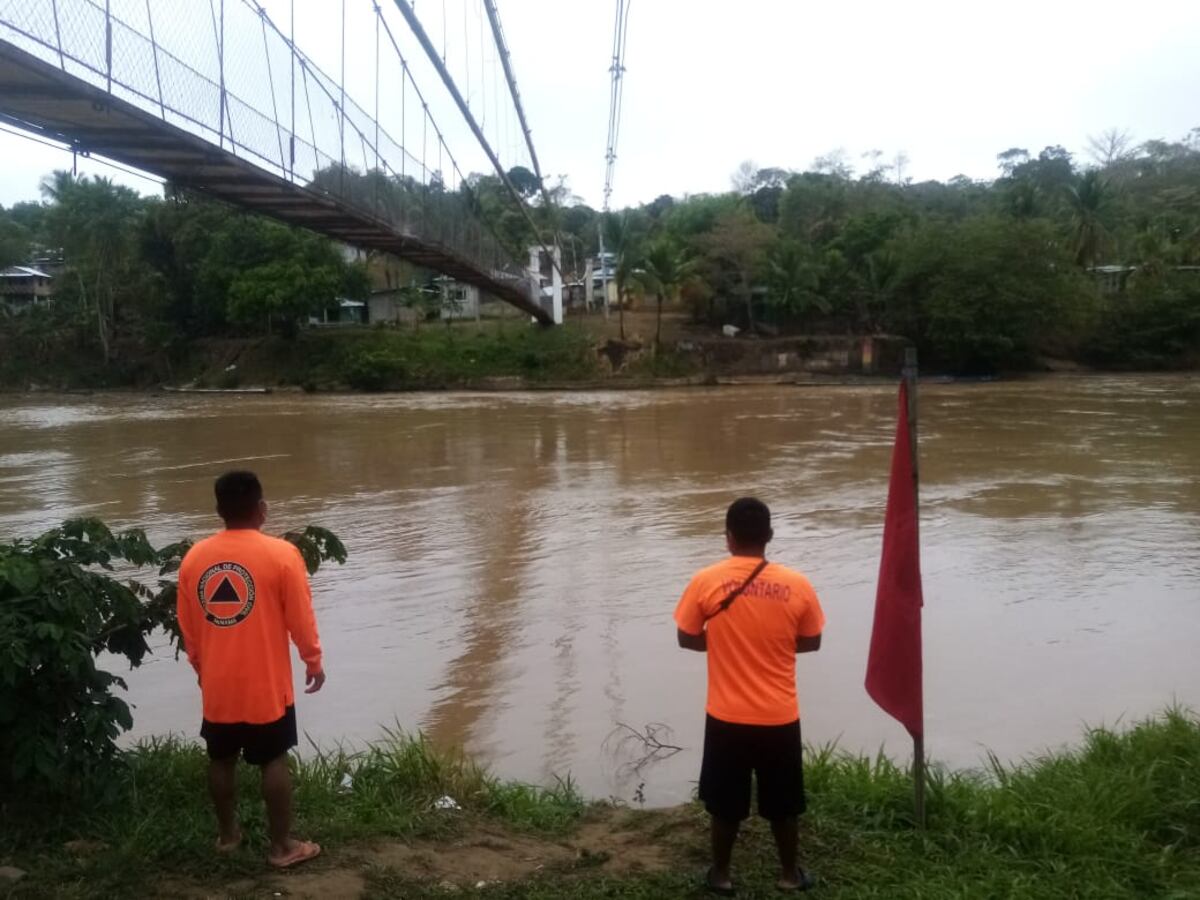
x=709, y=84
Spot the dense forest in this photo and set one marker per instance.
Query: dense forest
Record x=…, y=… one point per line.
x=982, y=275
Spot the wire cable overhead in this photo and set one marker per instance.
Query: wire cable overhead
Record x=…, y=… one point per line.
x=616, y=95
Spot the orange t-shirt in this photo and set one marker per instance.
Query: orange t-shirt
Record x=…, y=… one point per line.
x=752, y=645
x=241, y=593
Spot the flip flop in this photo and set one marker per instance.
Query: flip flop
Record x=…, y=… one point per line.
x=804, y=882
x=717, y=889
x=302, y=852
x=223, y=847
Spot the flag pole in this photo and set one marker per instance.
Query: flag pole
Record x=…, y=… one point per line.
x=910, y=384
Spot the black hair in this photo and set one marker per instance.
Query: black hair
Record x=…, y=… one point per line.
x=748, y=522
x=238, y=495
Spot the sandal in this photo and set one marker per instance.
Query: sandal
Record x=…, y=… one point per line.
x=804, y=882
x=230, y=846
x=302, y=852
x=719, y=889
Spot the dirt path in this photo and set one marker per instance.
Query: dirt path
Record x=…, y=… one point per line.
x=615, y=841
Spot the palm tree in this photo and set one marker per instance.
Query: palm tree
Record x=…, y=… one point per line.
x=792, y=278
x=665, y=269
x=1089, y=199
x=625, y=244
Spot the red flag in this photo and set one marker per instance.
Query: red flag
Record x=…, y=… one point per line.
x=894, y=666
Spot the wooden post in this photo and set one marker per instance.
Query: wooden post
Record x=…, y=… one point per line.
x=910, y=383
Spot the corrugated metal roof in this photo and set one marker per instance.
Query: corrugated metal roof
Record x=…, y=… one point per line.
x=23, y=272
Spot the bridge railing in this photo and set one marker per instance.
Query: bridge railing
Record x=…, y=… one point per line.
x=224, y=71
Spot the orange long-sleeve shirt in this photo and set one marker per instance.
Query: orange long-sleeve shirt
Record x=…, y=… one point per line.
x=241, y=594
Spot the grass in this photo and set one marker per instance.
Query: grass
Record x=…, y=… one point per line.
x=1118, y=818
x=432, y=356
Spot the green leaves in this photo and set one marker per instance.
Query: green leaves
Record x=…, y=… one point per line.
x=317, y=545
x=59, y=609
x=22, y=574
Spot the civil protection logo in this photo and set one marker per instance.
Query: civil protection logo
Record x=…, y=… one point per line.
x=226, y=593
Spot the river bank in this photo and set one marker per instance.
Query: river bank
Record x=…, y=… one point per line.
x=1115, y=818
x=492, y=354
x=586, y=353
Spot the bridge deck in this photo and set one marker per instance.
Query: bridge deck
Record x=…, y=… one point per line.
x=39, y=97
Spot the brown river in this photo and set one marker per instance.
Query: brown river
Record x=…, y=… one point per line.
x=515, y=558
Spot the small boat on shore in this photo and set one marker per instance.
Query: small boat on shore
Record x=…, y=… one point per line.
x=202, y=390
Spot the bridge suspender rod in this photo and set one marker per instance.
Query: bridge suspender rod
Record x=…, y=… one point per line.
x=62, y=62
x=292, y=139
x=415, y=24
x=108, y=41
x=262, y=15
x=162, y=105
x=342, y=105
x=377, y=94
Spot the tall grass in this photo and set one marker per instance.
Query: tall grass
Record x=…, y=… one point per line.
x=1118, y=818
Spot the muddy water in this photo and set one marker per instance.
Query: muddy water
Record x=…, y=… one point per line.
x=515, y=558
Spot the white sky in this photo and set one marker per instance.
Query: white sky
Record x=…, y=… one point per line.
x=710, y=84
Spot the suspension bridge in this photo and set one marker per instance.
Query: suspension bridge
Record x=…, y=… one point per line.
x=216, y=96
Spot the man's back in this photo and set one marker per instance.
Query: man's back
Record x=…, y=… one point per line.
x=752, y=644
x=241, y=593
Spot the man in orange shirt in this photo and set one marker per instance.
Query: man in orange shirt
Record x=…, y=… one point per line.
x=752, y=618
x=241, y=594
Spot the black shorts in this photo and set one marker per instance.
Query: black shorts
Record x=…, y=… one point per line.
x=772, y=752
x=259, y=744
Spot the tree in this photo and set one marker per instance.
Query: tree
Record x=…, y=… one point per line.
x=623, y=239
x=735, y=251
x=814, y=206
x=96, y=222
x=988, y=292
x=275, y=273
x=527, y=184
x=792, y=276
x=743, y=177
x=1089, y=199
x=1011, y=159
x=665, y=267
x=834, y=163
x=1110, y=147
x=14, y=241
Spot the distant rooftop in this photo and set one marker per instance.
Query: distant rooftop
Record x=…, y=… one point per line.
x=23, y=272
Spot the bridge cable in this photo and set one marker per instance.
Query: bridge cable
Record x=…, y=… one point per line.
x=407, y=76
x=423, y=38
x=292, y=44
x=506, y=63
x=271, y=81
x=73, y=150
x=616, y=95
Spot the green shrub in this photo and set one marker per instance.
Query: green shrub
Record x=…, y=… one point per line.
x=61, y=606
x=1155, y=326
x=374, y=370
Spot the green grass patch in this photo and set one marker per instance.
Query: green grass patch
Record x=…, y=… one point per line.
x=437, y=356
x=1118, y=818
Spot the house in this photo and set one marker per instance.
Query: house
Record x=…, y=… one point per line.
x=23, y=287
x=1114, y=279
x=459, y=301
x=390, y=306
x=601, y=271
x=346, y=312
